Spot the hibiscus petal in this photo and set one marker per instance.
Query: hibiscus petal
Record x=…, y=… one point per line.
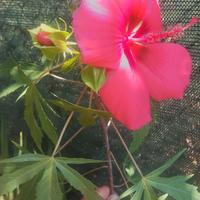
x=133, y=13
x=98, y=32
x=126, y=97
x=100, y=26
x=166, y=69
x=152, y=22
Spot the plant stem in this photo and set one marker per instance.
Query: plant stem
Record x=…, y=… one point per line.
x=65, y=80
x=120, y=171
x=69, y=140
x=108, y=154
x=91, y=98
x=57, y=66
x=67, y=123
x=107, y=147
x=96, y=169
x=44, y=74
x=127, y=150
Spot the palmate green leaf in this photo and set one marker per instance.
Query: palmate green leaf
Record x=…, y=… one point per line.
x=48, y=187
x=24, y=72
x=149, y=193
x=13, y=86
x=22, y=76
x=93, y=77
x=77, y=181
x=34, y=101
x=19, y=76
x=78, y=161
x=9, y=182
x=137, y=190
x=28, y=189
x=10, y=89
x=30, y=119
x=141, y=190
x=175, y=187
x=29, y=157
x=46, y=106
x=46, y=124
x=34, y=109
x=24, y=158
x=167, y=165
x=86, y=119
x=11, y=164
x=84, y=112
x=39, y=176
x=22, y=94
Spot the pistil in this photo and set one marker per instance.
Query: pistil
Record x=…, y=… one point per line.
x=172, y=34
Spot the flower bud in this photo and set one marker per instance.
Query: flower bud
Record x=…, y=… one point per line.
x=43, y=39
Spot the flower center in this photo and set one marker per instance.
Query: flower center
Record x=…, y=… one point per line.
x=133, y=44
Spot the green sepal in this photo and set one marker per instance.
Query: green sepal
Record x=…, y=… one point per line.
x=93, y=77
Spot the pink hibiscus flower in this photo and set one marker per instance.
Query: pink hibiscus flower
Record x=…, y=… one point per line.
x=125, y=37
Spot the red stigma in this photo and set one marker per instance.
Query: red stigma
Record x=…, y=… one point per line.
x=171, y=34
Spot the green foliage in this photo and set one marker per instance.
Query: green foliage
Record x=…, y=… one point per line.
x=18, y=74
x=87, y=115
x=10, y=89
x=93, y=77
x=40, y=174
x=29, y=117
x=28, y=189
x=70, y=64
x=48, y=186
x=78, y=181
x=176, y=187
x=11, y=181
x=35, y=104
x=138, y=138
x=34, y=110
x=77, y=161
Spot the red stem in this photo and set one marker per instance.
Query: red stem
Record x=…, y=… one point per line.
x=108, y=154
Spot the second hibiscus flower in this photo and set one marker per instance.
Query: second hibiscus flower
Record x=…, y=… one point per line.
x=125, y=37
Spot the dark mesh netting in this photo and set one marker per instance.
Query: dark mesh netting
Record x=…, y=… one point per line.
x=177, y=123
